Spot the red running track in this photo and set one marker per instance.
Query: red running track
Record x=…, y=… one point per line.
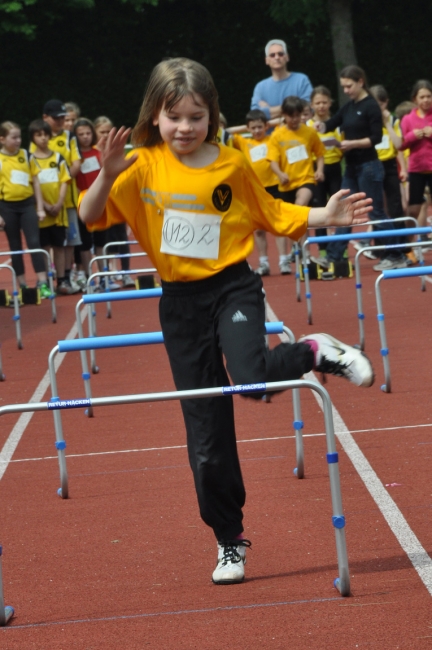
x=126, y=561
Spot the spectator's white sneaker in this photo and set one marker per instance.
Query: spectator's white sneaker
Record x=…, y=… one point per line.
x=336, y=358
x=263, y=269
x=230, y=563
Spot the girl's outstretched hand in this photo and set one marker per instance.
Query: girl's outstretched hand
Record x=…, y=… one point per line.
x=113, y=156
x=344, y=210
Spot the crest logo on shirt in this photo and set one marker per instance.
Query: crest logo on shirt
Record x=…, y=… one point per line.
x=60, y=143
x=21, y=159
x=53, y=164
x=222, y=197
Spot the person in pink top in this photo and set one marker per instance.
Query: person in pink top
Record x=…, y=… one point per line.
x=417, y=137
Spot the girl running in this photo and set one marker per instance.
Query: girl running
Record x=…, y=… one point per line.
x=194, y=205
x=18, y=211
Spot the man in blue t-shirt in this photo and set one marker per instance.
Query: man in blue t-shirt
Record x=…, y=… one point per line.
x=269, y=94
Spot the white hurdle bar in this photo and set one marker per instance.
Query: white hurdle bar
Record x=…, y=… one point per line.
x=391, y=275
x=341, y=582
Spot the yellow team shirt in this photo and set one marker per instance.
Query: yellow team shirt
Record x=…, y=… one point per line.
x=193, y=223
x=333, y=154
x=15, y=178
x=223, y=137
x=67, y=146
x=51, y=173
x=256, y=152
x=386, y=149
x=294, y=151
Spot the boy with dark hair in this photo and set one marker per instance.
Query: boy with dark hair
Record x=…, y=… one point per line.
x=53, y=174
x=292, y=148
x=255, y=149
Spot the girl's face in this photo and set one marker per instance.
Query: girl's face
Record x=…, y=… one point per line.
x=70, y=119
x=184, y=127
x=12, y=141
x=102, y=130
x=41, y=140
x=352, y=88
x=84, y=136
x=423, y=99
x=321, y=105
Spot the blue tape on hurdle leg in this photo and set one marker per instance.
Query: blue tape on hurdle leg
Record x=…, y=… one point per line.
x=298, y=425
x=16, y=317
x=86, y=375
x=380, y=317
x=384, y=352
x=338, y=521
x=359, y=285
x=333, y=458
x=60, y=444
x=361, y=316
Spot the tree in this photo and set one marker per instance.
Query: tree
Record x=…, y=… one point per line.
x=336, y=13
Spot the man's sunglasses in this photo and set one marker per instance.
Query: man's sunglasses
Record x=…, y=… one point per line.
x=273, y=54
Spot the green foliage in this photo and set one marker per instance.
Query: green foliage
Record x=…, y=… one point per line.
x=307, y=12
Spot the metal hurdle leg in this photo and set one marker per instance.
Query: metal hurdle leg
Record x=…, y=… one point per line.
x=342, y=582
x=16, y=317
x=2, y=377
x=111, y=244
x=6, y=613
x=390, y=275
x=297, y=270
x=60, y=443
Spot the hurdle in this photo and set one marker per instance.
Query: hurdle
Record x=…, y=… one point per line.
x=342, y=581
x=379, y=234
x=49, y=274
x=360, y=314
x=105, y=258
x=391, y=275
x=16, y=317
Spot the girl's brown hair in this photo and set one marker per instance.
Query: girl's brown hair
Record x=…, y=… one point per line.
x=355, y=73
x=170, y=81
x=321, y=90
x=84, y=121
x=421, y=84
x=6, y=128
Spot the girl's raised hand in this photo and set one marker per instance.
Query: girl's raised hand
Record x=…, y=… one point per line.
x=113, y=156
x=344, y=210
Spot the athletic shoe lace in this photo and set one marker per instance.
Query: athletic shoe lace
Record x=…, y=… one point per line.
x=332, y=367
x=230, y=552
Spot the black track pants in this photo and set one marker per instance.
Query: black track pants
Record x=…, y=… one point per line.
x=203, y=322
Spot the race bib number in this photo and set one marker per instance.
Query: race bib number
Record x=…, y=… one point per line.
x=258, y=153
x=90, y=165
x=48, y=176
x=296, y=154
x=191, y=234
x=20, y=178
x=384, y=144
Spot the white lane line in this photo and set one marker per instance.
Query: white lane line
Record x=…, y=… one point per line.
x=409, y=542
x=319, y=434
x=18, y=431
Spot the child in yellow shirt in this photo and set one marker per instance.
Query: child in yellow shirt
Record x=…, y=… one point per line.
x=293, y=148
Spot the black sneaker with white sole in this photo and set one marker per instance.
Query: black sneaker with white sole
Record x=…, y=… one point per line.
x=336, y=358
x=230, y=563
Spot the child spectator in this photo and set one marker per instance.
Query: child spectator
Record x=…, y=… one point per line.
x=17, y=204
x=255, y=149
x=292, y=151
x=321, y=101
x=103, y=126
x=50, y=169
x=307, y=112
x=417, y=137
x=54, y=113
x=212, y=307
x=73, y=112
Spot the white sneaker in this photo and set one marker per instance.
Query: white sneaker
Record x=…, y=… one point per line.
x=388, y=264
x=323, y=262
x=127, y=281
x=263, y=269
x=337, y=358
x=285, y=268
x=230, y=563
